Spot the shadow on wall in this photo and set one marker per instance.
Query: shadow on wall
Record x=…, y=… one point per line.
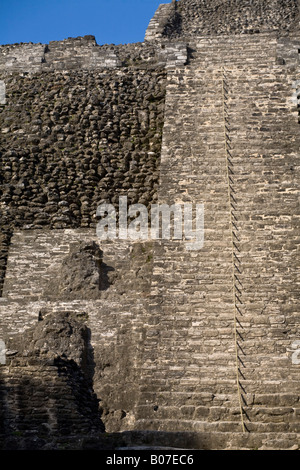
x=48, y=392
x=5, y=238
x=174, y=23
x=82, y=275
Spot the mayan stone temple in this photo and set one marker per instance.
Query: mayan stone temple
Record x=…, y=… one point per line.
x=126, y=343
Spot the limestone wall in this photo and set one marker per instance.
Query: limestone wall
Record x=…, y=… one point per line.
x=112, y=308
x=230, y=141
x=46, y=391
x=182, y=341
x=71, y=140
x=83, y=53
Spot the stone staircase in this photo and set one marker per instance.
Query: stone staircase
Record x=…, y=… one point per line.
x=221, y=320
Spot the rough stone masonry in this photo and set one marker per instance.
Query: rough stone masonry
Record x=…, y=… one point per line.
x=144, y=339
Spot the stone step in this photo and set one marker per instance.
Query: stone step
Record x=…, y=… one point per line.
x=242, y=51
x=205, y=399
x=253, y=414
x=217, y=426
x=217, y=385
x=214, y=440
x=195, y=108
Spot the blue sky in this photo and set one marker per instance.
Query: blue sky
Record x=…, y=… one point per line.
x=111, y=21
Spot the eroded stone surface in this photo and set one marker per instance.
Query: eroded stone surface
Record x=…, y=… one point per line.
x=197, y=113
x=189, y=18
